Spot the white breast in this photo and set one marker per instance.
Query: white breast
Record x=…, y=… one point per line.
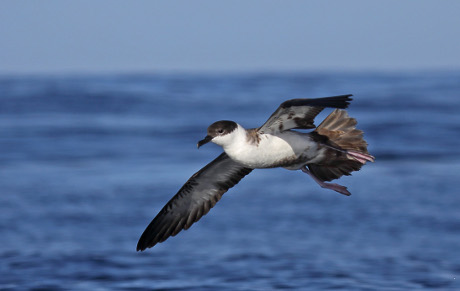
x=272, y=150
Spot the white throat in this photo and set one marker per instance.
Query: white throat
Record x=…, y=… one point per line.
x=236, y=138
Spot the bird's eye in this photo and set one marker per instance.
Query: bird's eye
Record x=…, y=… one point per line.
x=220, y=131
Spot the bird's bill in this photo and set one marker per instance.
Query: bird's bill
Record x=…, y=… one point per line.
x=204, y=141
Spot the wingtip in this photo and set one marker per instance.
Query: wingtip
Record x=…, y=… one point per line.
x=139, y=248
x=145, y=243
x=341, y=101
x=347, y=98
x=142, y=247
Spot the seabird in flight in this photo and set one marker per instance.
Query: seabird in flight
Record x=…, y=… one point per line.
x=333, y=149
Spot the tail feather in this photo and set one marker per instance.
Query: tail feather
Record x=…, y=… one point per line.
x=341, y=131
x=348, y=149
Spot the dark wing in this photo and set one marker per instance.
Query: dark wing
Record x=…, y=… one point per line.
x=194, y=199
x=300, y=113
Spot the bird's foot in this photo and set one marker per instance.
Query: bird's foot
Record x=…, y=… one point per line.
x=336, y=187
x=333, y=186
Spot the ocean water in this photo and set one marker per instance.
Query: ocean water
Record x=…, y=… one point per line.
x=87, y=161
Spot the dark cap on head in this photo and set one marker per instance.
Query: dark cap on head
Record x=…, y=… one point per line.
x=218, y=128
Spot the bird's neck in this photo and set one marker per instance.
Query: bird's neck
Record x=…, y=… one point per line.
x=239, y=137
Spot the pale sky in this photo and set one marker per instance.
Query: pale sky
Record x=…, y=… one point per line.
x=119, y=36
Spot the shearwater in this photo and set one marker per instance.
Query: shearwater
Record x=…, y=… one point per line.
x=333, y=149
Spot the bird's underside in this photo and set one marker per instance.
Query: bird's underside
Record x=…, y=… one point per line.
x=344, y=144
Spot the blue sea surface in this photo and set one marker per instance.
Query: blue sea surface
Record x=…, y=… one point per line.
x=86, y=162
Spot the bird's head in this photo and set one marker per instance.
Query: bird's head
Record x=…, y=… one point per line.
x=220, y=133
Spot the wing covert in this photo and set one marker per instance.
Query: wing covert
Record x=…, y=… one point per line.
x=300, y=113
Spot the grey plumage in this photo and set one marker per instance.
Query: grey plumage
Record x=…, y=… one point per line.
x=198, y=195
x=300, y=113
x=345, y=148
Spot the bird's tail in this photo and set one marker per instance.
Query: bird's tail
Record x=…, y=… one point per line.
x=348, y=149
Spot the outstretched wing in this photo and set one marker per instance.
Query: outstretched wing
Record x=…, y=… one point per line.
x=194, y=199
x=300, y=113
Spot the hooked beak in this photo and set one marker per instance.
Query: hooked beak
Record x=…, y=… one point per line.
x=204, y=141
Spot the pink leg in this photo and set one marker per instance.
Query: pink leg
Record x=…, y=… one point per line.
x=336, y=187
x=360, y=157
